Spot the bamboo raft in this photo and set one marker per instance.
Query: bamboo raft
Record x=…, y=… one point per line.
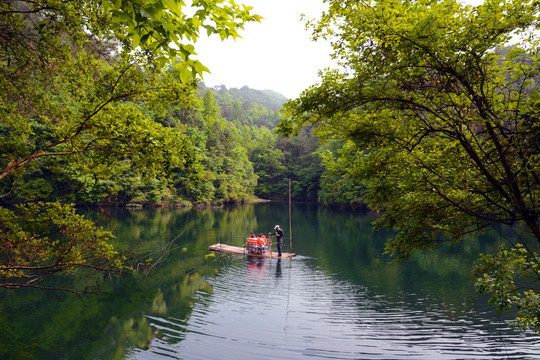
x=229, y=249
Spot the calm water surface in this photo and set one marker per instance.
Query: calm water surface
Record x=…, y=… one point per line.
x=340, y=298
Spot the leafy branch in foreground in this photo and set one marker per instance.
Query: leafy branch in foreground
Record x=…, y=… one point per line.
x=510, y=277
x=41, y=240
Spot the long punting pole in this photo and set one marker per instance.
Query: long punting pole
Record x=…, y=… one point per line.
x=290, y=218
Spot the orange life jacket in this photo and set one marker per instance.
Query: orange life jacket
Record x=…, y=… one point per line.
x=252, y=241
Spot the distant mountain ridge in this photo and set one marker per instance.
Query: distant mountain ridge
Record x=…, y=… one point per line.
x=247, y=106
x=270, y=99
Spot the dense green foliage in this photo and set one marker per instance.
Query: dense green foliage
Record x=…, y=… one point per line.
x=438, y=121
x=80, y=85
x=98, y=109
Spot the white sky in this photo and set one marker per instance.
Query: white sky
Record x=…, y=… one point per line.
x=275, y=54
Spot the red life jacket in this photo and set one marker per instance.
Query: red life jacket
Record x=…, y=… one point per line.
x=261, y=240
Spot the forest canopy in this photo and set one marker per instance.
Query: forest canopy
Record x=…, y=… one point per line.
x=435, y=108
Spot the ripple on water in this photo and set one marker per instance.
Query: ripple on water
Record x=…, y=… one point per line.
x=262, y=308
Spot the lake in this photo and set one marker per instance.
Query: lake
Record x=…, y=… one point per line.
x=339, y=298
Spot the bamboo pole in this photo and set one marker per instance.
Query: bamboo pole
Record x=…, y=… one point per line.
x=290, y=218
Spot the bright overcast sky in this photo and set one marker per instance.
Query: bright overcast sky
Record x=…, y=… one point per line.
x=275, y=54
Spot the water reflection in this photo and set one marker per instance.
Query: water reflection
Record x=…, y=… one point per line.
x=310, y=313
x=257, y=269
x=340, y=298
x=278, y=269
x=56, y=325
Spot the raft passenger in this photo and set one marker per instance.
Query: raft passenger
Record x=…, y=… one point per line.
x=251, y=242
x=262, y=243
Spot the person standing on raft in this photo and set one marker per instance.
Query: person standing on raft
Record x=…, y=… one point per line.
x=279, y=238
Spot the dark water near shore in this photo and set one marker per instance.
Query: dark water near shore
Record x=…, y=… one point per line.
x=340, y=298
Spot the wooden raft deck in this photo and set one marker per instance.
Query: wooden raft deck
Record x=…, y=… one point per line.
x=241, y=251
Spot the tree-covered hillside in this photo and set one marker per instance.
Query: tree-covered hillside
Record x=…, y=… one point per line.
x=230, y=153
x=268, y=98
x=246, y=106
